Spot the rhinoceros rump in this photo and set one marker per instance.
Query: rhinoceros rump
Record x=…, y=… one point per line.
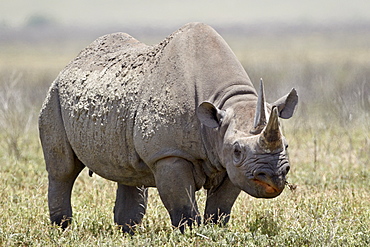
x=179, y=116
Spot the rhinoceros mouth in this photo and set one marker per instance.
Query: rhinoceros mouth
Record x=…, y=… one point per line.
x=269, y=188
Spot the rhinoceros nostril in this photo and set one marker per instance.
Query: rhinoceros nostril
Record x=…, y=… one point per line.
x=261, y=174
x=286, y=169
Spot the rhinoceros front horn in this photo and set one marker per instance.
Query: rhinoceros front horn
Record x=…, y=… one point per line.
x=270, y=138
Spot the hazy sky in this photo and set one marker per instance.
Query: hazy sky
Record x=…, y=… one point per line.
x=15, y=13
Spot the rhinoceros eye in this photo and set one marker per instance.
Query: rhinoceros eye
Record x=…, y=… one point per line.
x=237, y=153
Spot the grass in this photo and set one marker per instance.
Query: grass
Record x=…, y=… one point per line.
x=329, y=142
x=329, y=207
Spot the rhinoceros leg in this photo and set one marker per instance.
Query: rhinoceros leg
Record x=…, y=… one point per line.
x=63, y=168
x=176, y=186
x=220, y=201
x=59, y=197
x=130, y=206
x=61, y=162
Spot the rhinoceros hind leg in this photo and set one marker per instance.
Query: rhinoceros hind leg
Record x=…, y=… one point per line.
x=63, y=172
x=61, y=162
x=176, y=186
x=220, y=201
x=130, y=206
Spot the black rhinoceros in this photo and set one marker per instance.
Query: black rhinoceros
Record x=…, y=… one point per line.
x=179, y=116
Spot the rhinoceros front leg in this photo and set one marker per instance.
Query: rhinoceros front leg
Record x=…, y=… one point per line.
x=130, y=206
x=176, y=186
x=220, y=201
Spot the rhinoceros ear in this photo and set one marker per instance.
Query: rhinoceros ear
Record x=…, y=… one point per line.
x=209, y=115
x=287, y=104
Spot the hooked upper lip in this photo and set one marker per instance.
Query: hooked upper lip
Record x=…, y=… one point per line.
x=269, y=188
x=268, y=180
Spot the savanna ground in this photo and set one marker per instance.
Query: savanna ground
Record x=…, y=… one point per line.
x=328, y=203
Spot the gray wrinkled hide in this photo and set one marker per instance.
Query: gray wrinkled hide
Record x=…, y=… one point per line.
x=127, y=111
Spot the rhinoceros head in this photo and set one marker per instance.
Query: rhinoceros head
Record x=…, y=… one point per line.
x=249, y=142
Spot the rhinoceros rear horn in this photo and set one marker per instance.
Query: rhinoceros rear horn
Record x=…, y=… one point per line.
x=270, y=137
x=260, y=115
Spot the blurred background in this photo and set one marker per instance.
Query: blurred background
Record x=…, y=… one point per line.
x=322, y=48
